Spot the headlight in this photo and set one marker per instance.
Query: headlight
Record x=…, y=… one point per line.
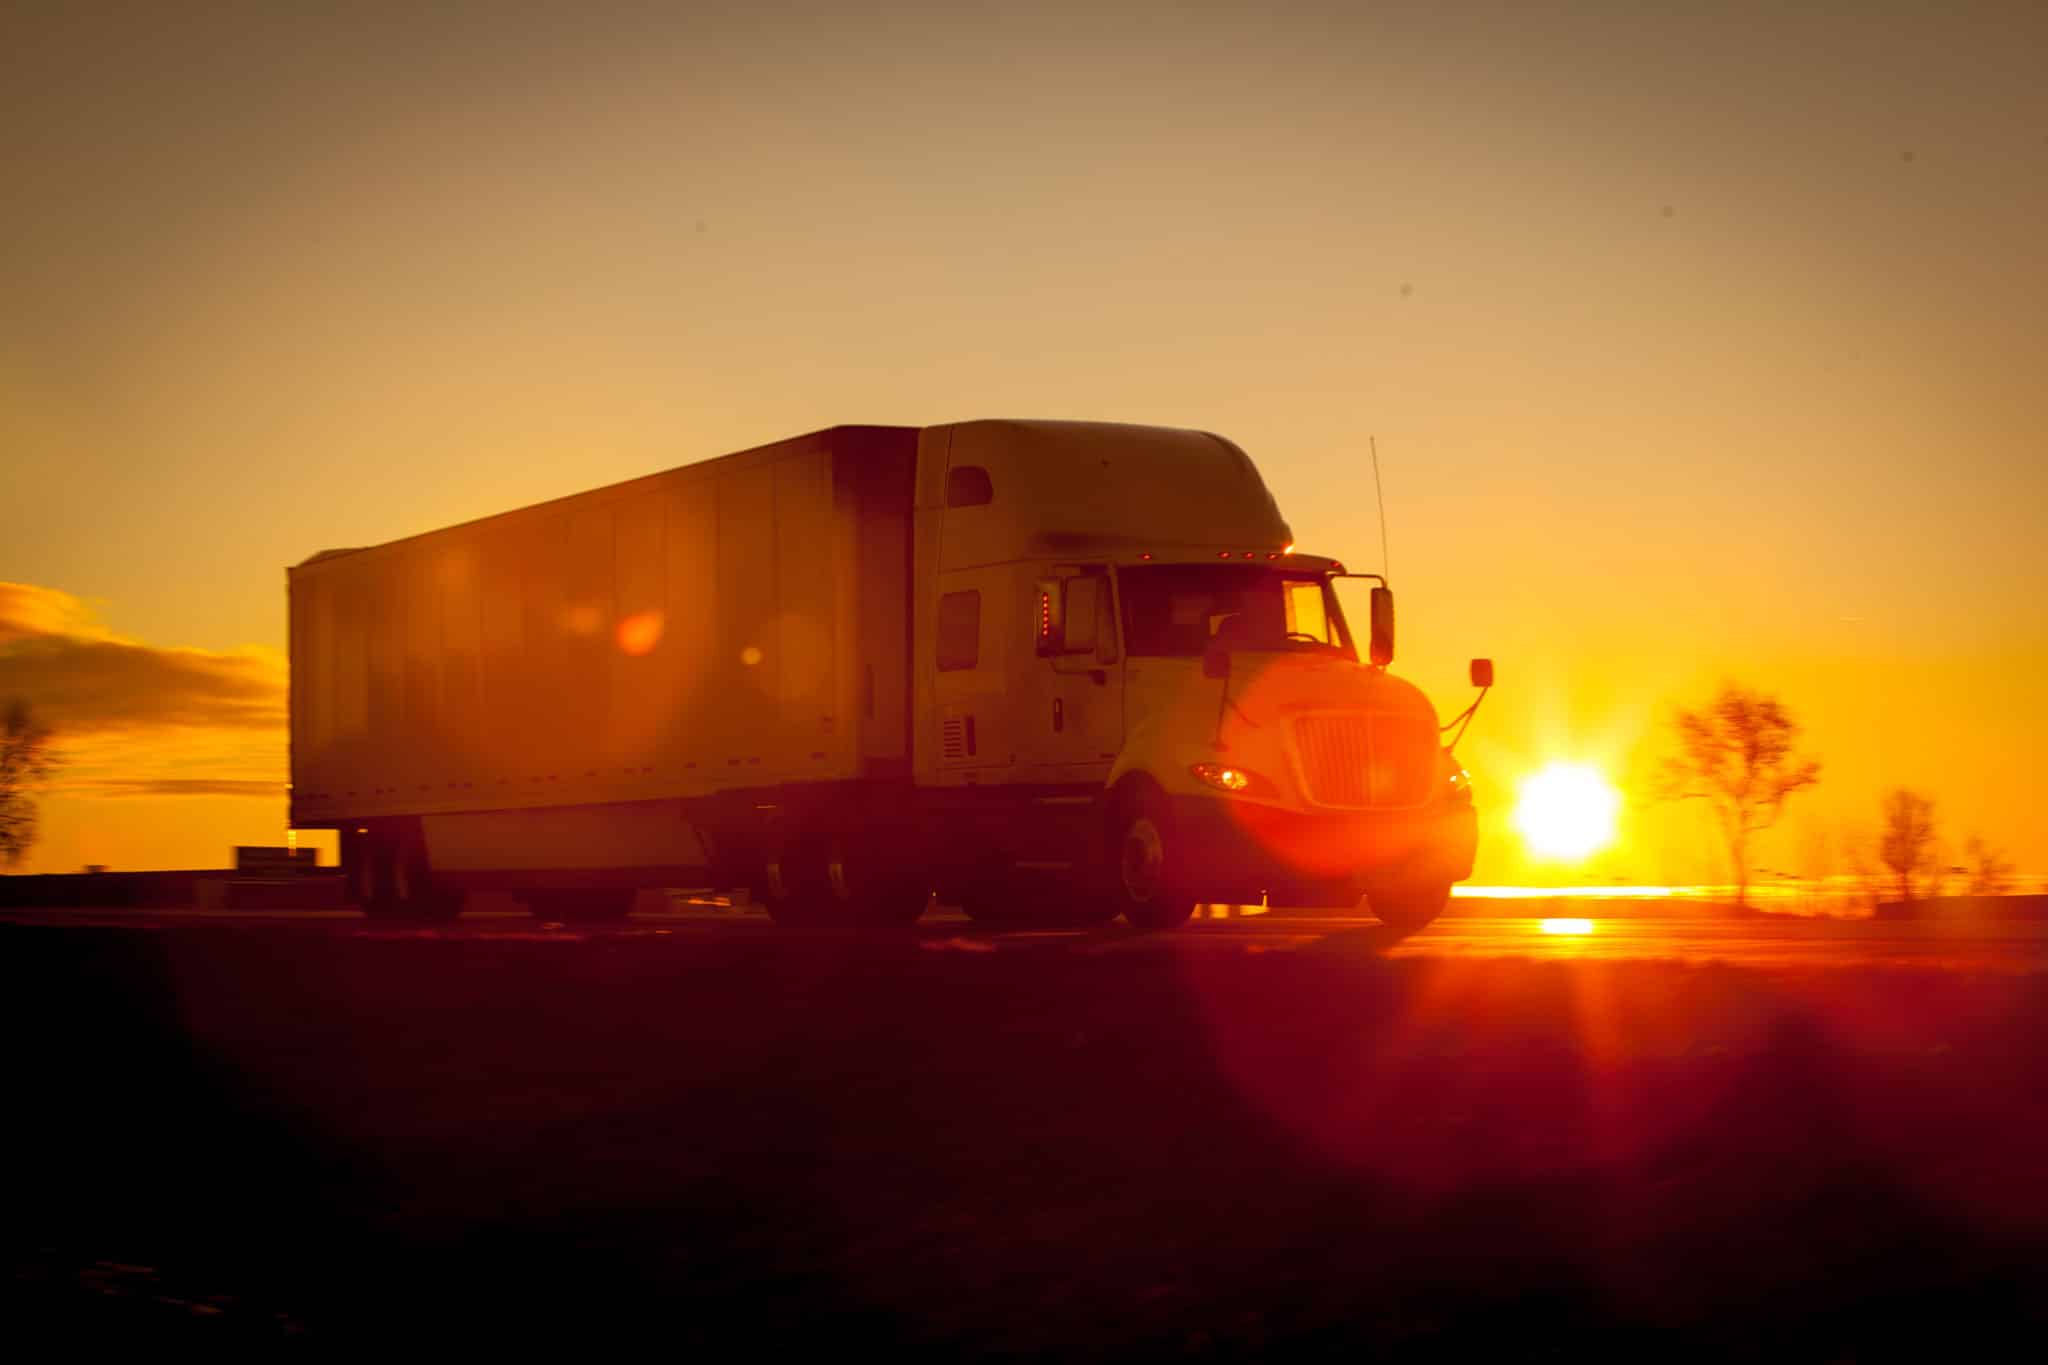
x=1227, y=777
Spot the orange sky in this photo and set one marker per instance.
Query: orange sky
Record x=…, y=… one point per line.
x=1695, y=347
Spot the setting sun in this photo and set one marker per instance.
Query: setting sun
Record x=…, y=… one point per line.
x=1567, y=811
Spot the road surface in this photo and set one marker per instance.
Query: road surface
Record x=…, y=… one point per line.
x=1261, y=1135
x=1542, y=931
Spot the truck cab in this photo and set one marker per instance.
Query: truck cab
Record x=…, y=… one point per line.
x=1138, y=696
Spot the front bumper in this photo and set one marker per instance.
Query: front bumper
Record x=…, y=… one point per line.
x=1236, y=849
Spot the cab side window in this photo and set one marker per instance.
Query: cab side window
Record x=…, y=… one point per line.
x=967, y=485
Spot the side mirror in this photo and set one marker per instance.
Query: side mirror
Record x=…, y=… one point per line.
x=1216, y=660
x=1482, y=672
x=1382, y=625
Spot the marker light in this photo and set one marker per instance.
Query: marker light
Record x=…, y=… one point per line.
x=1222, y=776
x=1227, y=777
x=1044, y=616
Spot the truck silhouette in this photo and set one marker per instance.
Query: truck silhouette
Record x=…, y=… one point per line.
x=1044, y=669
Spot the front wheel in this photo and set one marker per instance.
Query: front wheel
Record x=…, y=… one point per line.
x=1408, y=908
x=1144, y=877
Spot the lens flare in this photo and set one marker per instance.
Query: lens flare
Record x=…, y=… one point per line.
x=639, y=633
x=1567, y=811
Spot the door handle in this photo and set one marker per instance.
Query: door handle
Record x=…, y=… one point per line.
x=1059, y=714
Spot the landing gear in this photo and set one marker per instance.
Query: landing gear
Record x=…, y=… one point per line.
x=842, y=880
x=391, y=878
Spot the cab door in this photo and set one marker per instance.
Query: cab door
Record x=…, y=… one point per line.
x=1070, y=726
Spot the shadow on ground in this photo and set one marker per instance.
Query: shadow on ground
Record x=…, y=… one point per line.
x=782, y=1143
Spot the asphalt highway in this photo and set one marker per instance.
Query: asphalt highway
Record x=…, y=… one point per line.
x=1537, y=930
x=1263, y=1135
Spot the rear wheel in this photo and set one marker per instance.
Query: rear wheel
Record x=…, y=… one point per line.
x=1143, y=873
x=1409, y=907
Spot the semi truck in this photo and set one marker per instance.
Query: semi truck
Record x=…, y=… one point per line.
x=1039, y=669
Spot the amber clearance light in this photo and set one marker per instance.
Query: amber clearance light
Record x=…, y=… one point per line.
x=1226, y=778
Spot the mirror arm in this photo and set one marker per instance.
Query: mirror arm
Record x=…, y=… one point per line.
x=1463, y=720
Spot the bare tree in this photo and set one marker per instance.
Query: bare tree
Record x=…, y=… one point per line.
x=1735, y=754
x=1990, y=872
x=25, y=764
x=1907, y=845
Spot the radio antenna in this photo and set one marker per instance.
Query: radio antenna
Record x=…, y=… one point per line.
x=1386, y=573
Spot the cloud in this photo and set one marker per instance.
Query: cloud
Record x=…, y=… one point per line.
x=82, y=679
x=178, y=786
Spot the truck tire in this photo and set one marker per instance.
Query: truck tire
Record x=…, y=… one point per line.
x=1411, y=907
x=1143, y=878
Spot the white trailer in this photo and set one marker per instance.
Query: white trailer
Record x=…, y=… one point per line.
x=1038, y=667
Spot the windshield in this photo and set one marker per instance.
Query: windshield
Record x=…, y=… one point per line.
x=1175, y=610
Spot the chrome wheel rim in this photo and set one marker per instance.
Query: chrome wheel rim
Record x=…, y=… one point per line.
x=1144, y=859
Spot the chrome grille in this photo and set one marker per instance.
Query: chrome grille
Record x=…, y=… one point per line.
x=1364, y=759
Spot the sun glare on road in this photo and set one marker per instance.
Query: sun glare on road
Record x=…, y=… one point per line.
x=1565, y=926
x=1567, y=811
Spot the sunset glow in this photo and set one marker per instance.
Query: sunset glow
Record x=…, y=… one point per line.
x=1652, y=369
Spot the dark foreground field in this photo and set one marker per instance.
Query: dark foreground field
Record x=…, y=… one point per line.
x=759, y=1143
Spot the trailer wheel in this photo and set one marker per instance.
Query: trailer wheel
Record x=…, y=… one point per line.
x=1408, y=907
x=1143, y=876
